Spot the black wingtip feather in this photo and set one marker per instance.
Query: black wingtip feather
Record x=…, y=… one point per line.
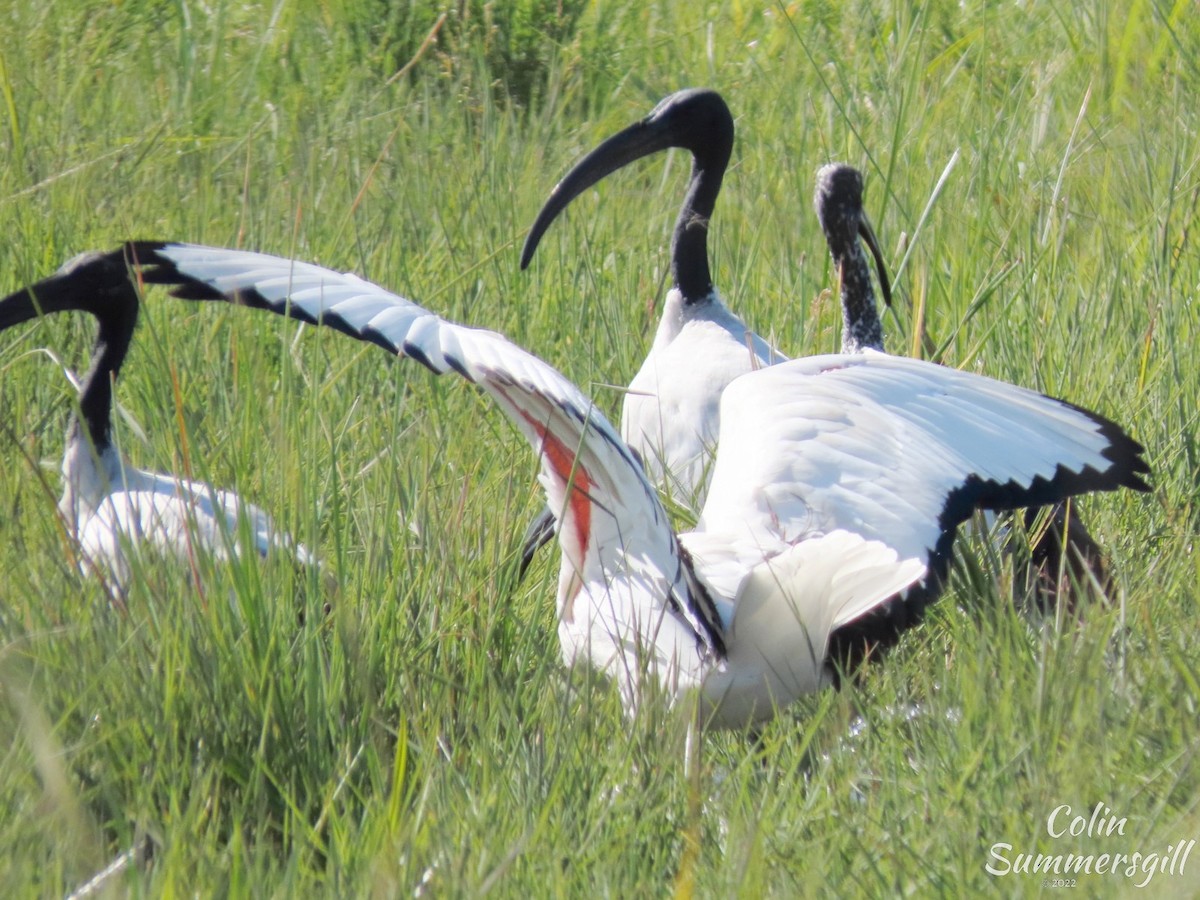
x=374, y=336
x=158, y=269
x=415, y=353
x=1125, y=454
x=192, y=290
x=457, y=365
x=337, y=323
x=870, y=636
x=155, y=268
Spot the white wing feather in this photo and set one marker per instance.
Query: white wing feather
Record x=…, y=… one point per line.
x=783, y=613
x=877, y=445
x=671, y=412
x=622, y=579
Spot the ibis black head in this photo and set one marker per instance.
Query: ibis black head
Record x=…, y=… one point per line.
x=696, y=120
x=94, y=283
x=839, y=204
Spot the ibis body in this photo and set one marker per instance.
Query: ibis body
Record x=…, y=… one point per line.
x=837, y=488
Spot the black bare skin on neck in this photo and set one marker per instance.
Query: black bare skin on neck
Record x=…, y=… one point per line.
x=839, y=202
x=112, y=343
x=702, y=124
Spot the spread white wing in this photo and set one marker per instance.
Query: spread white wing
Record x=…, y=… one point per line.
x=837, y=487
x=611, y=525
x=896, y=450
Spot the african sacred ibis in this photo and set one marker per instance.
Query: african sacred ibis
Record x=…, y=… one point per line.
x=838, y=200
x=110, y=506
x=838, y=485
x=671, y=411
x=670, y=415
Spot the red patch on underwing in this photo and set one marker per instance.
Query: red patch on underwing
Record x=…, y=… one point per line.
x=574, y=475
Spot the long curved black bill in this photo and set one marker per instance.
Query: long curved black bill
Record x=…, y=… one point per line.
x=696, y=119
x=868, y=235
x=639, y=140
x=79, y=285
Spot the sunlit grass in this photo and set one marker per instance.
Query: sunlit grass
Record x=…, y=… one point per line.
x=422, y=735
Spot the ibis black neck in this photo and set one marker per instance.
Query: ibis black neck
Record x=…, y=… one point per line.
x=689, y=244
x=116, y=325
x=839, y=205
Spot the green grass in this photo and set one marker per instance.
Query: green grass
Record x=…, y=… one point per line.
x=424, y=738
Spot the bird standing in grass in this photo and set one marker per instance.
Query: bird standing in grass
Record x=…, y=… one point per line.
x=671, y=411
x=110, y=507
x=838, y=485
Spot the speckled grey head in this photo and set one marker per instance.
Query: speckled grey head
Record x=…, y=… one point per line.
x=839, y=204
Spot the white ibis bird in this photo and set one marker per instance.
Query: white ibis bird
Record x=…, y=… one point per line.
x=838, y=485
x=110, y=506
x=838, y=200
x=671, y=411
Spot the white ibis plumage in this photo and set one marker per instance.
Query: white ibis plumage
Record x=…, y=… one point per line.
x=111, y=507
x=671, y=411
x=838, y=200
x=838, y=484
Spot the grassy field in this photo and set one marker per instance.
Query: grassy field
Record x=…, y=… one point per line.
x=423, y=738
